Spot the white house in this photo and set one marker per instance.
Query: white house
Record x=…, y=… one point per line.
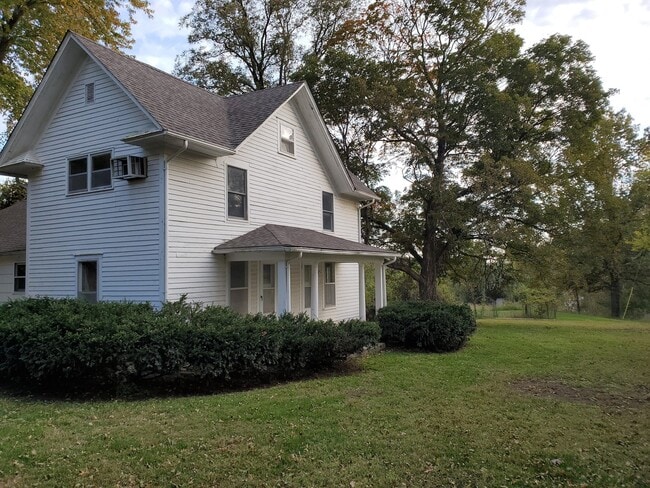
x=143, y=187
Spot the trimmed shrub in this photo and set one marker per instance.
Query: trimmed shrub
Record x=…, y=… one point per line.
x=64, y=342
x=429, y=326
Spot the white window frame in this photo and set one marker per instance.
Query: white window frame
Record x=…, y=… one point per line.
x=246, y=199
x=247, y=275
x=89, y=172
x=19, y=277
x=284, y=125
x=330, y=212
x=88, y=258
x=329, y=283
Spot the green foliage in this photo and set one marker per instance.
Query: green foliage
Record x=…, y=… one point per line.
x=426, y=325
x=30, y=32
x=62, y=342
x=12, y=191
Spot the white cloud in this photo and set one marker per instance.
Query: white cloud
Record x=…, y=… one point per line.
x=617, y=34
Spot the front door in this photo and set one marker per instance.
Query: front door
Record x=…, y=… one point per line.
x=268, y=288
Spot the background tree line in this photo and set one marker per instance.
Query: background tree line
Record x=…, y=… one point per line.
x=524, y=181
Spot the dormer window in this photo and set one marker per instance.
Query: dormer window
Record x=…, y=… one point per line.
x=90, y=92
x=287, y=143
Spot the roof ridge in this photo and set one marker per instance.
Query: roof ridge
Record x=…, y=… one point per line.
x=253, y=92
x=268, y=228
x=146, y=65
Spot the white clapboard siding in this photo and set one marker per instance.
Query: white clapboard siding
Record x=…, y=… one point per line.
x=7, y=276
x=282, y=190
x=122, y=225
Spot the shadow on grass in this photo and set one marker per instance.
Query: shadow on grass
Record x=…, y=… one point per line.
x=181, y=385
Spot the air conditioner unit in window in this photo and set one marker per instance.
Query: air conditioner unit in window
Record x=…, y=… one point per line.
x=129, y=167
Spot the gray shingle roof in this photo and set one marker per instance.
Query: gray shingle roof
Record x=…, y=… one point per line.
x=13, y=224
x=182, y=108
x=285, y=237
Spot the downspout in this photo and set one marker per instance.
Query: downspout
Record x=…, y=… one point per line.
x=166, y=216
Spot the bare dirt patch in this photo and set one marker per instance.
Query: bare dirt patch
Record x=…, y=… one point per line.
x=558, y=390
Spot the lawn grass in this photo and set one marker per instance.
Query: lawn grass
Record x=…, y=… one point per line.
x=526, y=403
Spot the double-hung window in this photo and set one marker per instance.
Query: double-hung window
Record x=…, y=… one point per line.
x=237, y=193
x=91, y=172
x=328, y=211
x=20, y=277
x=287, y=142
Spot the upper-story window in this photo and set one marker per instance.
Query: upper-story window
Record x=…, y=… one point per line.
x=237, y=193
x=287, y=142
x=92, y=172
x=328, y=211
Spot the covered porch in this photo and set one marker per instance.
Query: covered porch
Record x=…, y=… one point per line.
x=278, y=269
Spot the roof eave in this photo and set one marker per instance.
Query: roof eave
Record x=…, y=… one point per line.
x=380, y=253
x=167, y=137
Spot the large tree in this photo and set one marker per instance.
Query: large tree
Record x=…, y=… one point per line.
x=477, y=122
x=30, y=31
x=604, y=206
x=12, y=191
x=245, y=45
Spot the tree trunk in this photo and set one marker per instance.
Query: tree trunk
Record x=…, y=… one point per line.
x=577, y=293
x=430, y=266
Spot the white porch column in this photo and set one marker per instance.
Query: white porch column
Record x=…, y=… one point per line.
x=288, y=298
x=362, y=291
x=380, y=283
x=384, y=297
x=281, y=300
x=314, y=291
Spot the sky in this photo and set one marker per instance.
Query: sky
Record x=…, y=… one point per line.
x=617, y=32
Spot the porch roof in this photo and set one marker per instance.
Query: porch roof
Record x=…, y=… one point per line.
x=270, y=237
x=13, y=225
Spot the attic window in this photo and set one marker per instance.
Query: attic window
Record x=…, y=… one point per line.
x=287, y=140
x=90, y=92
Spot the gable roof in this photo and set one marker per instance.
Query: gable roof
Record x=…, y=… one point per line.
x=13, y=225
x=272, y=237
x=177, y=109
x=182, y=108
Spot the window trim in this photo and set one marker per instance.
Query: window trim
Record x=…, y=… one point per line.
x=329, y=212
x=332, y=283
x=89, y=172
x=282, y=124
x=246, y=203
x=19, y=277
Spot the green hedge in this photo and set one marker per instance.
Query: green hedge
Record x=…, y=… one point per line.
x=426, y=325
x=65, y=341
